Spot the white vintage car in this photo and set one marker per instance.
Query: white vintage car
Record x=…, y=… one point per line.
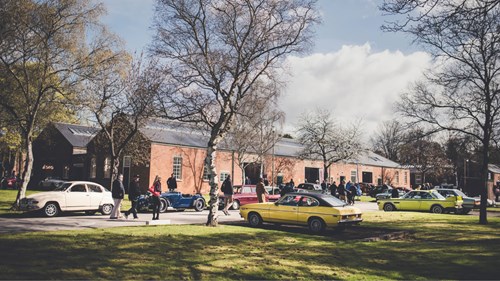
x=71, y=196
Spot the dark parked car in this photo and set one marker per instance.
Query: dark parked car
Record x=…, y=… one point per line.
x=379, y=189
x=309, y=187
x=50, y=183
x=388, y=194
x=10, y=183
x=469, y=202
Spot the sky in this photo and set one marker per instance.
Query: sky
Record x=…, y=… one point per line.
x=355, y=70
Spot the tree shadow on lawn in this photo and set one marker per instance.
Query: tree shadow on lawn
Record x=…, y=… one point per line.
x=231, y=252
x=354, y=232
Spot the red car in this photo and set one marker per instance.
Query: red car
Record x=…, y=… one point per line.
x=10, y=182
x=246, y=195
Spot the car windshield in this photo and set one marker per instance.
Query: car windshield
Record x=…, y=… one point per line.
x=334, y=201
x=63, y=187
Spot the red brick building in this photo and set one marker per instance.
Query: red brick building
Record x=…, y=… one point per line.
x=173, y=147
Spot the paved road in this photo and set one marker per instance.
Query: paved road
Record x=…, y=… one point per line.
x=17, y=224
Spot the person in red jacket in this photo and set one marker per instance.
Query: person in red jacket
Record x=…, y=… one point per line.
x=156, y=191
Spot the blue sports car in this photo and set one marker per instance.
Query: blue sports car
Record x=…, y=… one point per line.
x=175, y=200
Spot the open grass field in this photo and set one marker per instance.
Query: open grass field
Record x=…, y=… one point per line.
x=437, y=247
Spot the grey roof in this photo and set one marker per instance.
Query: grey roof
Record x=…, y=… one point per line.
x=173, y=132
x=77, y=135
x=372, y=159
x=178, y=133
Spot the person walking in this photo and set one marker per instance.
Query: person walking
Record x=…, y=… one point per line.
x=133, y=195
x=172, y=183
x=342, y=191
x=261, y=191
x=117, y=192
x=323, y=186
x=333, y=188
x=155, y=190
x=227, y=189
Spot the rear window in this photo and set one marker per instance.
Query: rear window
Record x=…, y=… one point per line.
x=94, y=188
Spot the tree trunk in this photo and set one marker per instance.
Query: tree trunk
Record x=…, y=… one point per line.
x=484, y=190
x=213, y=207
x=325, y=171
x=28, y=166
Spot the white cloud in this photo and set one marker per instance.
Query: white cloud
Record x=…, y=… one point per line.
x=353, y=82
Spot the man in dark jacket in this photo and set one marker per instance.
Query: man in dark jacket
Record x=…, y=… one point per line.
x=333, y=189
x=172, y=183
x=341, y=190
x=133, y=195
x=117, y=192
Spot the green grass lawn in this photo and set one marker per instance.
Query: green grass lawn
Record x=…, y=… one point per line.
x=438, y=247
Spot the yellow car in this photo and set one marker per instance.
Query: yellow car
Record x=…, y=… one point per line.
x=318, y=211
x=422, y=200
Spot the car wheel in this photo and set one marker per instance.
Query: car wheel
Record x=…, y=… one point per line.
x=199, y=205
x=388, y=207
x=436, y=209
x=254, y=220
x=465, y=211
x=90, y=213
x=316, y=225
x=163, y=205
x=51, y=209
x=106, y=209
x=235, y=205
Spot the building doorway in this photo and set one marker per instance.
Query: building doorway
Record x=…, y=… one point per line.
x=252, y=171
x=311, y=174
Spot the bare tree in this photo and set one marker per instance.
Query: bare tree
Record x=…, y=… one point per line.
x=462, y=93
x=214, y=53
x=388, y=140
x=44, y=55
x=425, y=155
x=324, y=139
x=120, y=98
x=254, y=133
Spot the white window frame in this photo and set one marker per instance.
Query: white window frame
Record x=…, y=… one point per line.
x=107, y=167
x=354, y=176
x=396, y=177
x=223, y=176
x=93, y=168
x=206, y=173
x=177, y=167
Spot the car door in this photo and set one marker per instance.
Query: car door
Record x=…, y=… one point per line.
x=410, y=202
x=285, y=210
x=77, y=198
x=306, y=208
x=426, y=201
x=96, y=193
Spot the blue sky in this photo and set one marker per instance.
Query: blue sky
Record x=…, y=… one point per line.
x=355, y=69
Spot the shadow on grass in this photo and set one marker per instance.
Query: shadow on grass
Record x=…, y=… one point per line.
x=233, y=252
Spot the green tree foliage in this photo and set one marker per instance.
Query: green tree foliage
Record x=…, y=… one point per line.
x=45, y=54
